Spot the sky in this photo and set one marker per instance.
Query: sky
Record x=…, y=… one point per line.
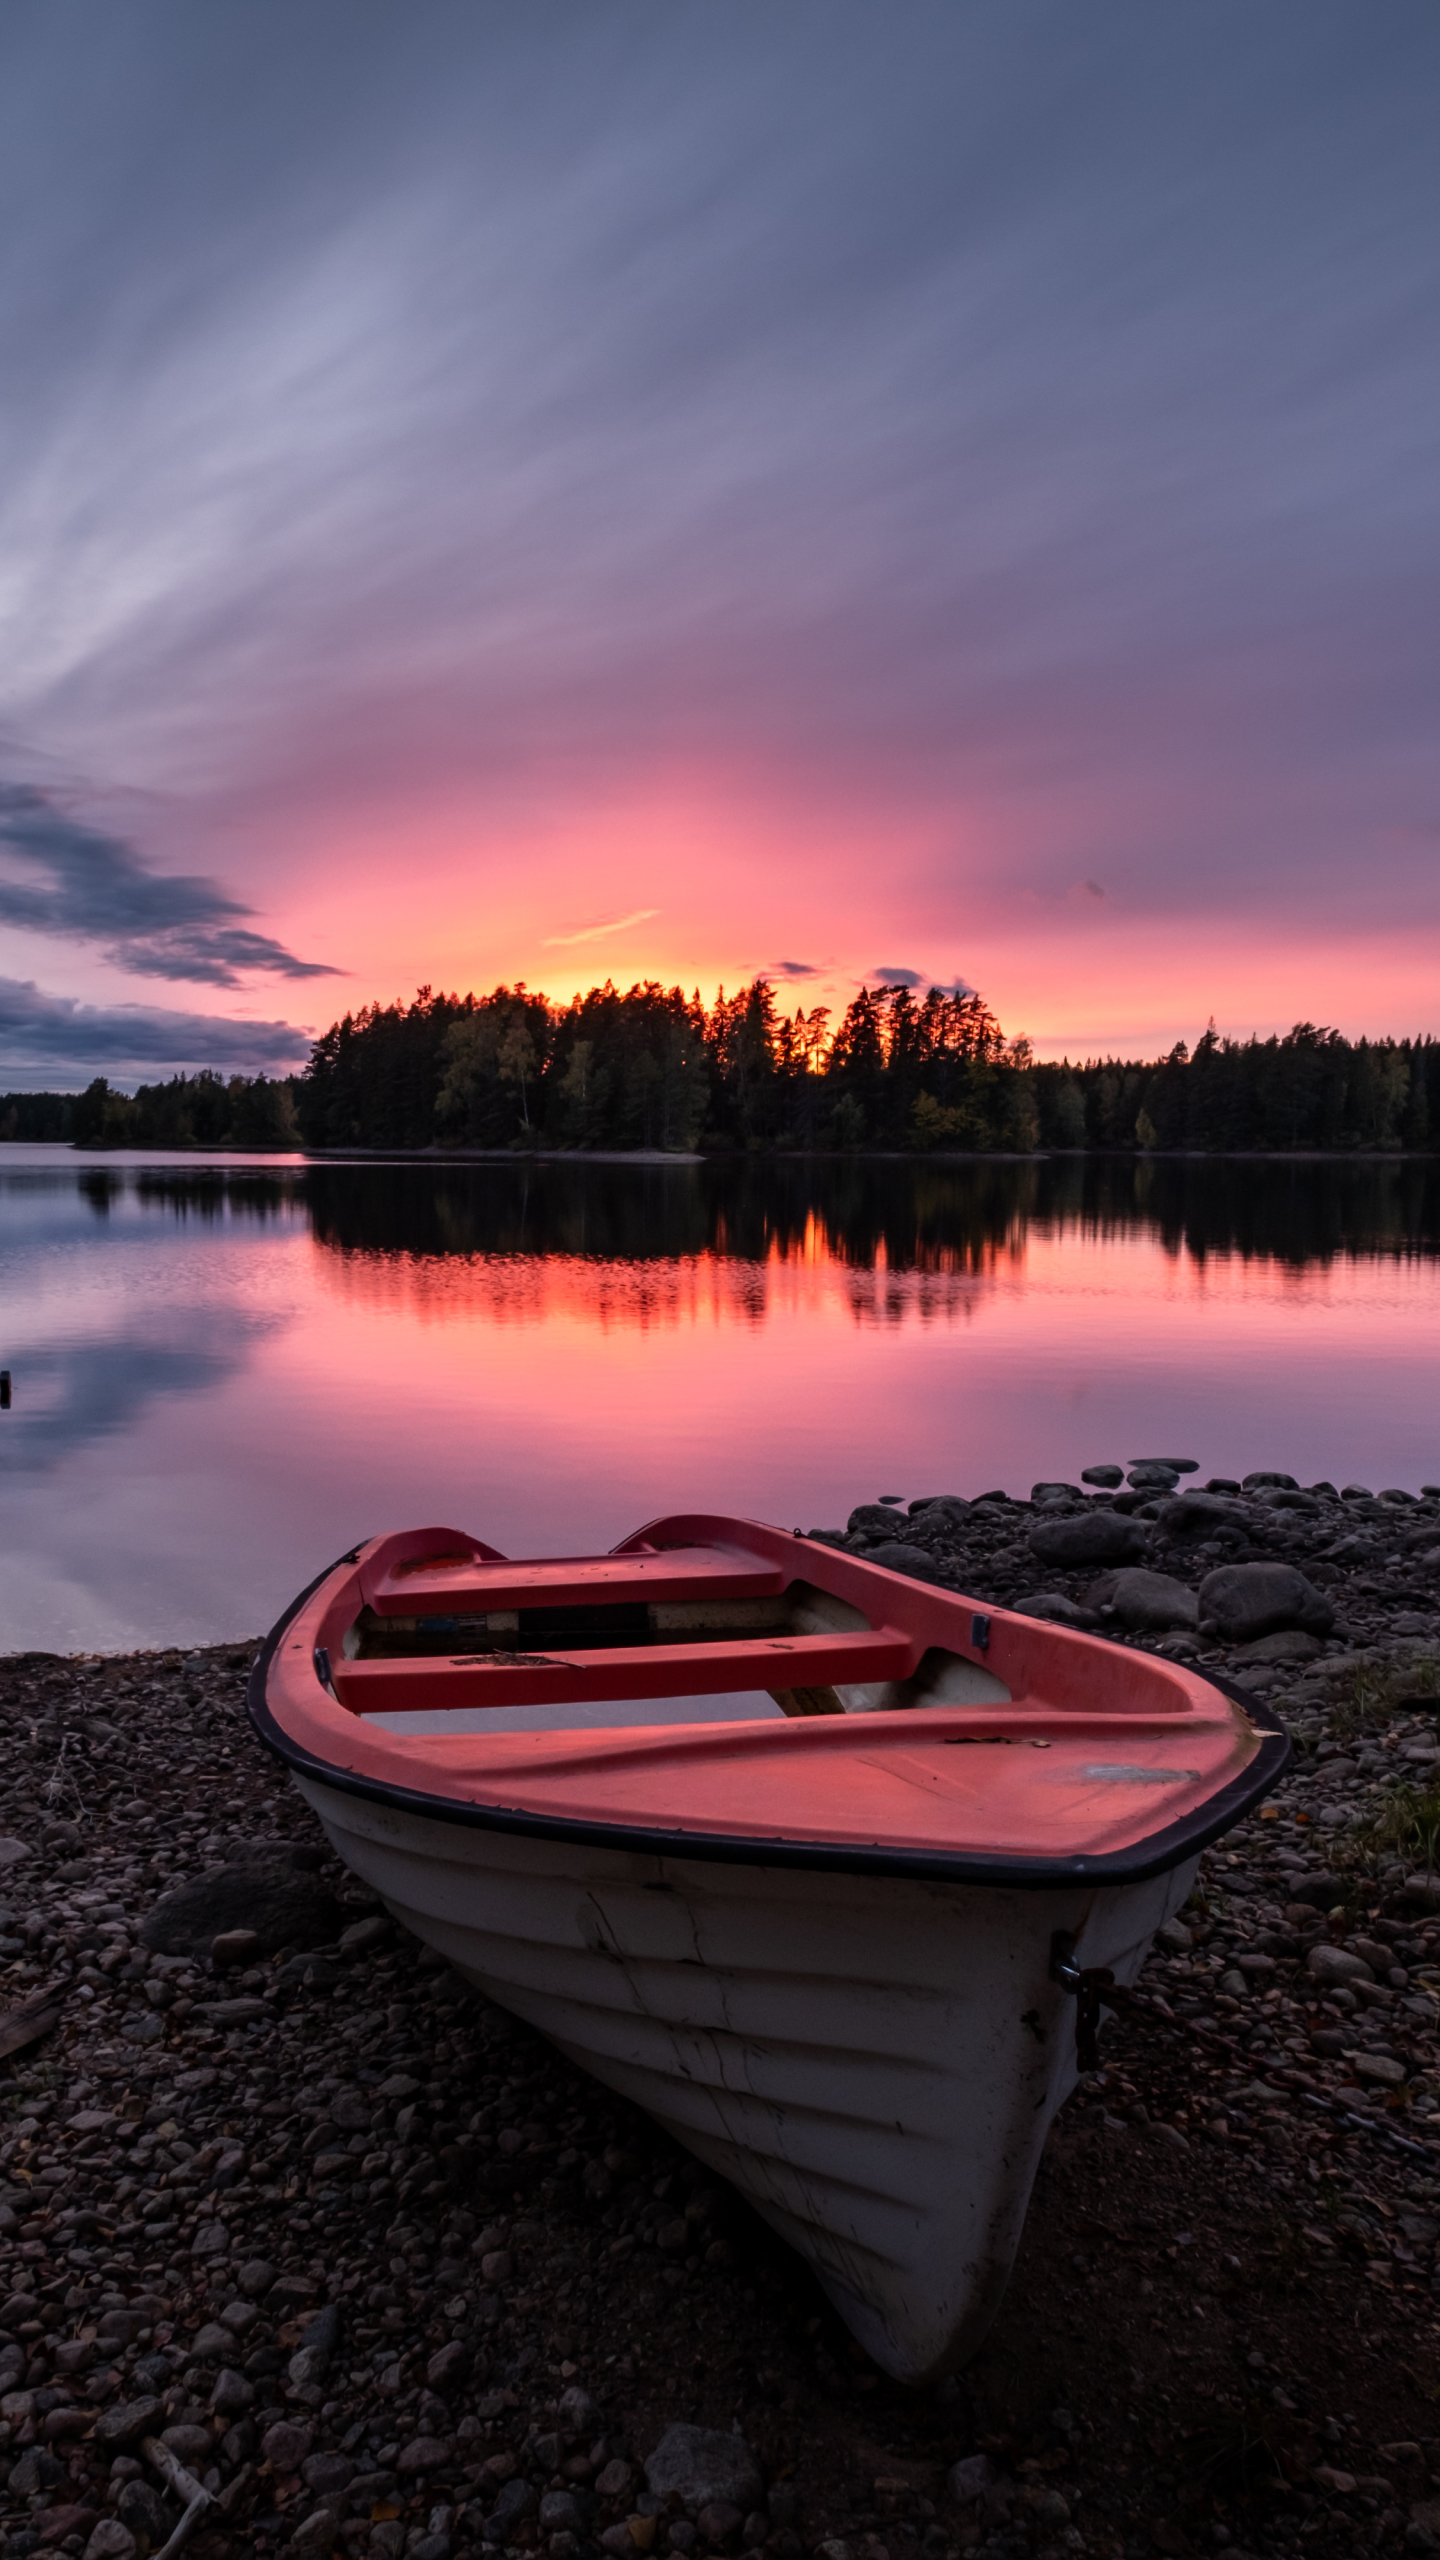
x=686, y=491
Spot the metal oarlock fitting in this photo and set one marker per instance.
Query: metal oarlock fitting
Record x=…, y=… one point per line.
x=1089, y=1987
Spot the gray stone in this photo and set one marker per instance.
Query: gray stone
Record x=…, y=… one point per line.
x=255, y=2278
x=111, y=2540
x=871, y=1520
x=325, y=2472
x=516, y=2501
x=559, y=2513
x=1154, y=1601
x=448, y=2366
x=188, y=2444
x=1243, y=1601
x=1200, y=1515
x=1055, y=1606
x=212, y=2342
x=232, y=2394
x=718, y=2523
x=12, y=1851
x=142, y=2508
x=577, y=2412
x=126, y=2422
x=969, y=2480
x=897, y=1556
x=425, y=2453
x=285, y=2446
x=1109, y=1477
x=1290, y=1645
x=1096, y=1535
x=1336, y=1964
x=1264, y=1479
x=1152, y=1479
x=944, y=1506
x=267, y=1889
x=704, y=2468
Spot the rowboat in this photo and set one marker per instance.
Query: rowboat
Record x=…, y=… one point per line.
x=805, y=1858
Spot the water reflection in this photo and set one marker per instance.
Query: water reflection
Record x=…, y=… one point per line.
x=226, y=1373
x=864, y=1212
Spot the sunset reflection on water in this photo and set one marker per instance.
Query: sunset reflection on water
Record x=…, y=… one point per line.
x=224, y=1376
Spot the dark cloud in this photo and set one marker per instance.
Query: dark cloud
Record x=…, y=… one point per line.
x=793, y=969
x=86, y=886
x=890, y=974
x=56, y=1042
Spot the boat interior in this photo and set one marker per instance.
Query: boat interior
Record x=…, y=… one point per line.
x=459, y=1611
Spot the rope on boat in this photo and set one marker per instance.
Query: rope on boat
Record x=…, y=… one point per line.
x=1094, y=1987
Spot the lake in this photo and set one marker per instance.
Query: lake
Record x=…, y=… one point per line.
x=224, y=1374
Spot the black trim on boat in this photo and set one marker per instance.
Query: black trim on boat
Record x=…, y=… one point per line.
x=1150, y=1857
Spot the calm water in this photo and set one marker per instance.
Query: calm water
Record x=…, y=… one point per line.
x=224, y=1375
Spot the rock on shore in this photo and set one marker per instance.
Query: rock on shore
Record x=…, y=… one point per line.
x=387, y=2276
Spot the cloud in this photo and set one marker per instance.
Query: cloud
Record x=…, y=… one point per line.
x=894, y=976
x=595, y=932
x=87, y=886
x=52, y=1040
x=794, y=969
x=1087, y=892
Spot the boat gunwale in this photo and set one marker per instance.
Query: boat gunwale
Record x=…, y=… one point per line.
x=1153, y=1855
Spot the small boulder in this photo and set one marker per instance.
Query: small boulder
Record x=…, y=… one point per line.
x=448, y=2366
x=1055, y=1606
x=897, y=1556
x=1201, y=1515
x=111, y=2540
x=1331, y=1964
x=266, y=1889
x=1096, y=1535
x=969, y=2480
x=871, y=1520
x=1152, y=1601
x=704, y=2468
x=1244, y=1601
x=126, y=2421
x=234, y=1947
x=1109, y=1478
x=1290, y=1645
x=285, y=2446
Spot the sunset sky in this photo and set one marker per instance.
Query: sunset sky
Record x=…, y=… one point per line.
x=676, y=490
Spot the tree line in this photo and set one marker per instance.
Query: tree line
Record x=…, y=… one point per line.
x=650, y=1068
x=204, y=1110
x=900, y=1072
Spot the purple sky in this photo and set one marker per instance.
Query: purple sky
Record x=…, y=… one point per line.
x=673, y=490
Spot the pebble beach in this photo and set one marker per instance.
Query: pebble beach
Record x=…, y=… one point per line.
x=304, y=2246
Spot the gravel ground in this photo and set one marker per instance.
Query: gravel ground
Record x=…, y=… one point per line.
x=386, y=2275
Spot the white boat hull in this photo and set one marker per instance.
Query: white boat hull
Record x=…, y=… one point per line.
x=872, y=2061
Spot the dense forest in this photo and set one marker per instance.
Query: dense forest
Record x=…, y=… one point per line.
x=652, y=1069
x=204, y=1110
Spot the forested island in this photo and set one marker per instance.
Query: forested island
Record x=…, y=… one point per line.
x=652, y=1069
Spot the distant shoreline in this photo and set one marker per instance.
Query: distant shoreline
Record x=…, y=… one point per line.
x=435, y=1155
